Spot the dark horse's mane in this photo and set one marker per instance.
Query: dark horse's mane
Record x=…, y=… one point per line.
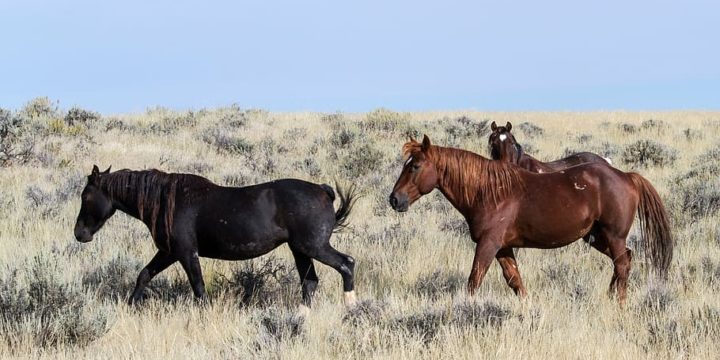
x=472, y=177
x=153, y=192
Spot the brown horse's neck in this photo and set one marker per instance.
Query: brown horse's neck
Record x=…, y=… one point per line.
x=469, y=181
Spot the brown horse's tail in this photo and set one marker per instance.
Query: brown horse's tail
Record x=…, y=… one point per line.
x=347, y=201
x=654, y=226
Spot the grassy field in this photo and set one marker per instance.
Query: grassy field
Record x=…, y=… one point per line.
x=64, y=300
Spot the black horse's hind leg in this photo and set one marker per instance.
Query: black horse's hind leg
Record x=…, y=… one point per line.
x=345, y=265
x=191, y=265
x=308, y=277
x=159, y=262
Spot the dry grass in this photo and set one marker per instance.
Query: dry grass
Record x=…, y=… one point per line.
x=61, y=299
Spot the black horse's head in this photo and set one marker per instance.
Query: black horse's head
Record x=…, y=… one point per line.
x=95, y=209
x=502, y=143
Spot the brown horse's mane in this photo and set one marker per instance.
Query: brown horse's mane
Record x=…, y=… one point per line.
x=152, y=191
x=470, y=176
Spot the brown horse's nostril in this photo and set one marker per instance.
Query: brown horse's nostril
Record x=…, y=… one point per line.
x=393, y=201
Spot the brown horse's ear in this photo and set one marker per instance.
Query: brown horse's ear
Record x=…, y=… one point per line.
x=107, y=171
x=493, y=126
x=508, y=126
x=426, y=143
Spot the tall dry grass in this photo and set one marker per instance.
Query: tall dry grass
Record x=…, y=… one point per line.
x=61, y=299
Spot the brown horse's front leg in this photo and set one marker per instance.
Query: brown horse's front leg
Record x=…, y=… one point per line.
x=484, y=254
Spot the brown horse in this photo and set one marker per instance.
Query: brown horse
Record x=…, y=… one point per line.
x=503, y=147
x=508, y=207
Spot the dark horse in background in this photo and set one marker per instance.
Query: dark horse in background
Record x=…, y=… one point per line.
x=508, y=207
x=189, y=216
x=503, y=147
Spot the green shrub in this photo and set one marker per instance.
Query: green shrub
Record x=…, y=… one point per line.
x=36, y=304
x=77, y=116
x=384, y=120
x=644, y=153
x=41, y=107
x=531, y=130
x=14, y=149
x=260, y=282
x=362, y=160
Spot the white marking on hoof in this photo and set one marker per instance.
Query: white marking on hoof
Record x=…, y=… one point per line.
x=303, y=310
x=503, y=137
x=579, y=187
x=608, y=160
x=350, y=299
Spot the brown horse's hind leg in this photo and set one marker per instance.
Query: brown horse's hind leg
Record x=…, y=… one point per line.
x=601, y=245
x=615, y=248
x=506, y=258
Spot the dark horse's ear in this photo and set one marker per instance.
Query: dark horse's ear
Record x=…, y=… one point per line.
x=493, y=126
x=508, y=126
x=92, y=178
x=107, y=171
x=425, y=143
x=411, y=139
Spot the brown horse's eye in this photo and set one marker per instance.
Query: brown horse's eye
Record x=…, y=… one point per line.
x=415, y=167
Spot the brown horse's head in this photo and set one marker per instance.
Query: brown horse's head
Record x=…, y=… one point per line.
x=419, y=175
x=95, y=209
x=502, y=143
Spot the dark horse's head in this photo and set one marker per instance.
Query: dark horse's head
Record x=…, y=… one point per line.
x=419, y=175
x=502, y=143
x=95, y=209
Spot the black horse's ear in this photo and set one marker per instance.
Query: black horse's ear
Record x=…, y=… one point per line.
x=95, y=170
x=508, y=126
x=107, y=171
x=425, y=143
x=411, y=139
x=493, y=126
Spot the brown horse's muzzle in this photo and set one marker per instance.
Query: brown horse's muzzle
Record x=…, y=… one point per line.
x=399, y=202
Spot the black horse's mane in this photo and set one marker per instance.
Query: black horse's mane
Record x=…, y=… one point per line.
x=153, y=192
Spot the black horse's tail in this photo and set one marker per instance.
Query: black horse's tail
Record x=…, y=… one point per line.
x=347, y=201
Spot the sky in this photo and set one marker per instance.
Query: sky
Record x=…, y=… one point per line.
x=355, y=56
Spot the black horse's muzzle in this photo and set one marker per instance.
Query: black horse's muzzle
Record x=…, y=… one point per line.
x=83, y=234
x=399, y=202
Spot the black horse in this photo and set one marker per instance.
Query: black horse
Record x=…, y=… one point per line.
x=503, y=147
x=189, y=216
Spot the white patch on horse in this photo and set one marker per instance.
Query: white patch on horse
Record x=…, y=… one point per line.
x=580, y=187
x=608, y=160
x=408, y=160
x=350, y=299
x=540, y=171
x=503, y=137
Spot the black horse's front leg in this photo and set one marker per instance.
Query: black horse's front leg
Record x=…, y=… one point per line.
x=191, y=265
x=159, y=262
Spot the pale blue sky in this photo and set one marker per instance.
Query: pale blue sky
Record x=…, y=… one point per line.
x=356, y=56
